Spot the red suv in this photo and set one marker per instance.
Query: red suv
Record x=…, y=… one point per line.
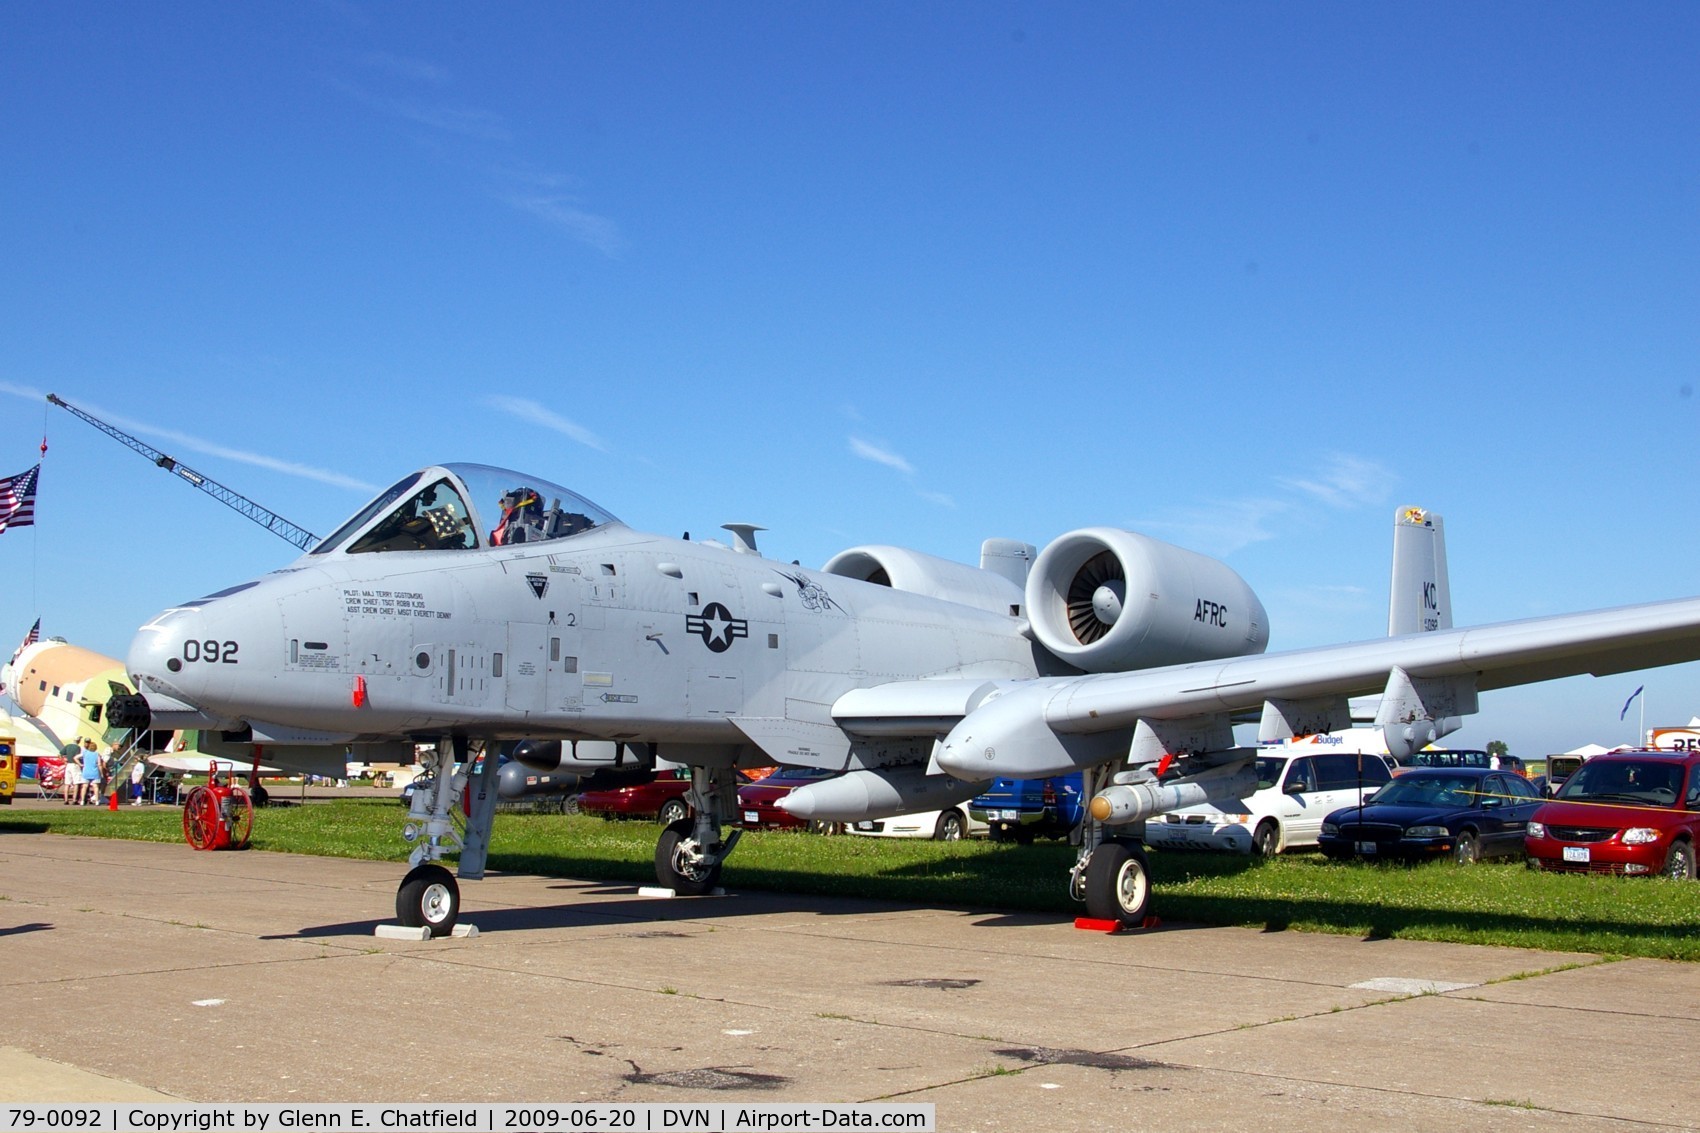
x=1622, y=812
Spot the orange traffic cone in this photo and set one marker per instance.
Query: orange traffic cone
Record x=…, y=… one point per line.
x=112, y=801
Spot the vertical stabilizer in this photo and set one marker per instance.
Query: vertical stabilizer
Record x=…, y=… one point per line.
x=1422, y=596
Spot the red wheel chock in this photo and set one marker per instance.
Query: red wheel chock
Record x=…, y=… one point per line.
x=1112, y=927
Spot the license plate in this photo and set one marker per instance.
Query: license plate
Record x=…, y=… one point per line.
x=751, y=816
x=864, y=825
x=1366, y=847
x=1576, y=854
x=1009, y=815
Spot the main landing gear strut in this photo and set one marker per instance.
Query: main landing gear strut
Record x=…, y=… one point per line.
x=690, y=852
x=1111, y=874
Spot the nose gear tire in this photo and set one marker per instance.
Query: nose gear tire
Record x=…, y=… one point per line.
x=428, y=898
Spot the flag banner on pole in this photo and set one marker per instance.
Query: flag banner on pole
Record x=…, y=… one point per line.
x=17, y=499
x=1628, y=702
x=30, y=638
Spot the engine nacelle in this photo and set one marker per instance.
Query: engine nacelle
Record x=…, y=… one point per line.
x=917, y=573
x=1106, y=600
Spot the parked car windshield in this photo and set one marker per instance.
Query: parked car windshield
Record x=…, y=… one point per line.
x=1429, y=790
x=1453, y=758
x=1656, y=782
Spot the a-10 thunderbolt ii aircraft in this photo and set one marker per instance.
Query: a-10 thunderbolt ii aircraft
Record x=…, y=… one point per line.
x=474, y=603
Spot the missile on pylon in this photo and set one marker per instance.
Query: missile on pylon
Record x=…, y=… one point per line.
x=1122, y=803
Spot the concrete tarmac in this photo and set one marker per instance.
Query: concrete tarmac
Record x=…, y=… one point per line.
x=136, y=971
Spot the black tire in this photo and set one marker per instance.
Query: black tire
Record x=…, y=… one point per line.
x=428, y=898
x=669, y=870
x=1467, y=850
x=1679, y=863
x=569, y=804
x=950, y=827
x=1266, y=839
x=1118, y=884
x=673, y=811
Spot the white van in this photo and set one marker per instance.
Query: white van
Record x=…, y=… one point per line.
x=1295, y=791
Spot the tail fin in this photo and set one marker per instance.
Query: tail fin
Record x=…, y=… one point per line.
x=1422, y=596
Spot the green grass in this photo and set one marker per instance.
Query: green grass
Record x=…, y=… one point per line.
x=1495, y=904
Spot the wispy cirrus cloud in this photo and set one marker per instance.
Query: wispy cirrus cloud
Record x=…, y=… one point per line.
x=879, y=454
x=209, y=448
x=27, y=392
x=563, y=214
x=1219, y=528
x=406, y=67
x=447, y=117
x=538, y=414
x=541, y=196
x=1343, y=481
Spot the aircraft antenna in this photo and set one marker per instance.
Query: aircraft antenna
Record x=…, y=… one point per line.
x=270, y=520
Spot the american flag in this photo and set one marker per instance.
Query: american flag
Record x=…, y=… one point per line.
x=30, y=638
x=17, y=499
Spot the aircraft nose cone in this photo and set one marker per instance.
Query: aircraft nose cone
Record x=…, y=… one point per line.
x=152, y=655
x=156, y=657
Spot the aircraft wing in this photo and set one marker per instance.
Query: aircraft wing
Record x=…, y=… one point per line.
x=33, y=741
x=1051, y=726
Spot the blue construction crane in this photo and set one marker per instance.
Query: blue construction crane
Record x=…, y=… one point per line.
x=270, y=520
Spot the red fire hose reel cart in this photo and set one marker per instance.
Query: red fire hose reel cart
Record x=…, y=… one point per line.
x=219, y=815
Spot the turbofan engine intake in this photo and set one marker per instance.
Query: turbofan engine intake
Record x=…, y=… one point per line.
x=1106, y=600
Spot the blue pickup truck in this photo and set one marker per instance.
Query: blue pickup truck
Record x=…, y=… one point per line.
x=1021, y=810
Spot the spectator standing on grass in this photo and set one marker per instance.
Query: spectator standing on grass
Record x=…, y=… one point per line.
x=137, y=770
x=71, y=779
x=108, y=768
x=91, y=774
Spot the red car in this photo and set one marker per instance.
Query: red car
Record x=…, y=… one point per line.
x=758, y=802
x=1631, y=812
x=661, y=798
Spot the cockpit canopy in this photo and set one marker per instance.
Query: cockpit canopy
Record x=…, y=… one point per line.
x=456, y=507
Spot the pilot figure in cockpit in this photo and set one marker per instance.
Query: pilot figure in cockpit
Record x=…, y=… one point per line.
x=522, y=509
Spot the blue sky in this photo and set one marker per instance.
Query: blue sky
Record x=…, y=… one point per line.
x=1242, y=276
